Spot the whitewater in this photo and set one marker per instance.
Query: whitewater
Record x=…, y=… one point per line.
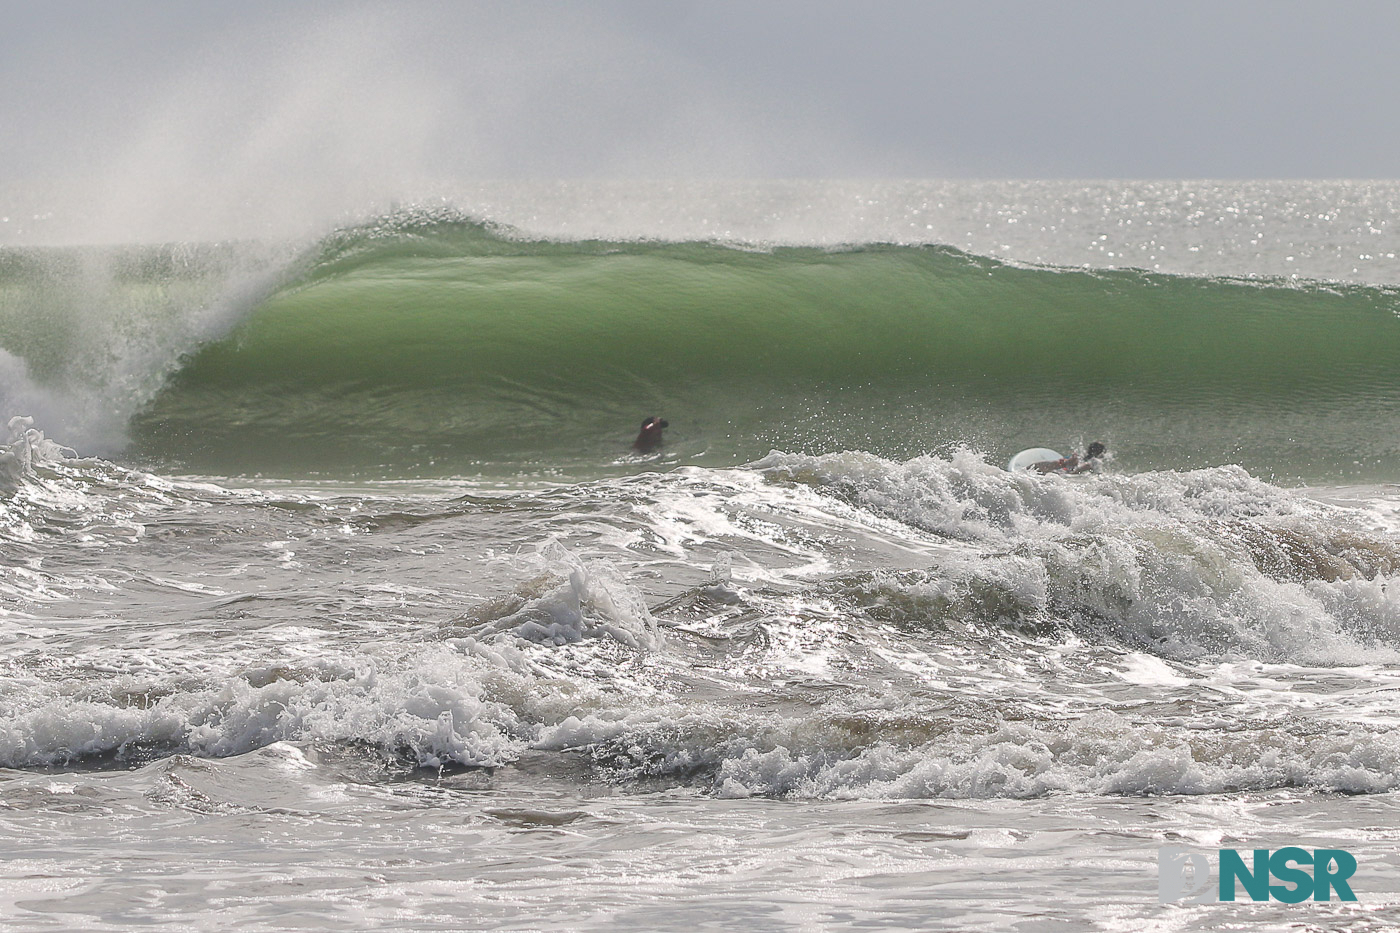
x=332, y=594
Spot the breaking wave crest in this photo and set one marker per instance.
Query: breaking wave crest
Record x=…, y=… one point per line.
x=432, y=344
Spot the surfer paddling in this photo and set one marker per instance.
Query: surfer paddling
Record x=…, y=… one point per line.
x=649, y=438
x=1093, y=459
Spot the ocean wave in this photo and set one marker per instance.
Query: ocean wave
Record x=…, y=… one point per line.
x=428, y=343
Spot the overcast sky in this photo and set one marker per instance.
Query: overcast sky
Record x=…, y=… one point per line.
x=752, y=87
x=139, y=102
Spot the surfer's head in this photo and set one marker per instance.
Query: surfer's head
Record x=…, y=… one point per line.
x=1096, y=449
x=649, y=438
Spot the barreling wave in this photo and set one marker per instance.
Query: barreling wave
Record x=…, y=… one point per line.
x=427, y=344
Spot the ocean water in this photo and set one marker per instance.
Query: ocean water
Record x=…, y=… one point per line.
x=332, y=595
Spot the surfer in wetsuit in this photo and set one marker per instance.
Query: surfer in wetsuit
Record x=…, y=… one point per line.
x=649, y=438
x=1093, y=459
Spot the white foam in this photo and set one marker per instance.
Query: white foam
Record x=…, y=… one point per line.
x=1194, y=563
x=590, y=600
x=429, y=705
x=1149, y=670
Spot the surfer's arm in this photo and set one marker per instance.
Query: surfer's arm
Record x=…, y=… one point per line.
x=1065, y=464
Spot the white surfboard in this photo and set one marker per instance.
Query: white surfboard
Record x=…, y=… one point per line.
x=1029, y=457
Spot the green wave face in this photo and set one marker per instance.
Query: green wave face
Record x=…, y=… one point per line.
x=447, y=349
